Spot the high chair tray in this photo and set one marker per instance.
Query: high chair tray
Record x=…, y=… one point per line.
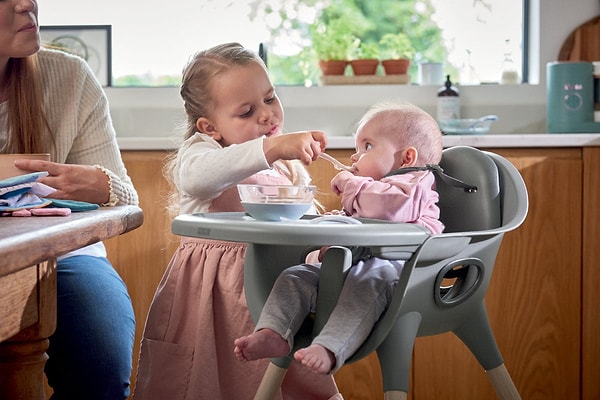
x=237, y=227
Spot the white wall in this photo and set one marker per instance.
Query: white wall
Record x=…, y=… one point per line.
x=156, y=112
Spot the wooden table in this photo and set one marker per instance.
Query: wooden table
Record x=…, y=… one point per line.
x=28, y=251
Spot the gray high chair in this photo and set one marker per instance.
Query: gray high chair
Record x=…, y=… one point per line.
x=443, y=282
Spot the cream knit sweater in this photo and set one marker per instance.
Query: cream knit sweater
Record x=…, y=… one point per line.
x=78, y=114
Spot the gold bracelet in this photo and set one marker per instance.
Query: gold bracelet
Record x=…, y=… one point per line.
x=112, y=197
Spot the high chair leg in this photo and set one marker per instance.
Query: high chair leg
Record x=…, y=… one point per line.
x=502, y=383
x=270, y=383
x=395, y=395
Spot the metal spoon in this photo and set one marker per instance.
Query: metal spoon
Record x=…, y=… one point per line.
x=336, y=164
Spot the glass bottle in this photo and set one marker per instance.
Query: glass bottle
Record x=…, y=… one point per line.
x=510, y=75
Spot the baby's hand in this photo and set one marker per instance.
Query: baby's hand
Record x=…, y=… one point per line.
x=339, y=181
x=304, y=146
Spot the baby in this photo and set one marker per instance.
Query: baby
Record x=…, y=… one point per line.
x=390, y=137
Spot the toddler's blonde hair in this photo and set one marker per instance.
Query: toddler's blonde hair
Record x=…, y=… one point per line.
x=199, y=74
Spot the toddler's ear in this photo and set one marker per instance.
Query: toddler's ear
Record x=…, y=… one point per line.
x=205, y=126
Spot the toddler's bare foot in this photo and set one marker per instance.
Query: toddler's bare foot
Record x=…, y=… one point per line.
x=316, y=357
x=264, y=343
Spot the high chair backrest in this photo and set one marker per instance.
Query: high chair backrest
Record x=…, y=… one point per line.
x=464, y=211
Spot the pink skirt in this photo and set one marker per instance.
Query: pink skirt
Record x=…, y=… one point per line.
x=198, y=310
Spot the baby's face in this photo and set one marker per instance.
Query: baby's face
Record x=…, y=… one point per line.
x=376, y=154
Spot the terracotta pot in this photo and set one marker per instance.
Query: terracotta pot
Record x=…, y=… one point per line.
x=364, y=66
x=396, y=67
x=333, y=67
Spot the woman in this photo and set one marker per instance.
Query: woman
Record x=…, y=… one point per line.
x=50, y=102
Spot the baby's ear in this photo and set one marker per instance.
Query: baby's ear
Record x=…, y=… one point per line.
x=205, y=126
x=409, y=157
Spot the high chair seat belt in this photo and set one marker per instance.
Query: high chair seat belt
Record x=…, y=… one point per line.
x=439, y=172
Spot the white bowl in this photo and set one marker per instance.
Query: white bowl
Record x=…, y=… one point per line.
x=276, y=202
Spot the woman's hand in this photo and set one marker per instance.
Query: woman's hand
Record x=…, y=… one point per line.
x=71, y=181
x=304, y=146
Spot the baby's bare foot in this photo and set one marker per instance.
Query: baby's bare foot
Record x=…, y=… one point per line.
x=265, y=343
x=316, y=357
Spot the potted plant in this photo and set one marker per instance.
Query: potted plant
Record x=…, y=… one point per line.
x=366, y=59
x=333, y=43
x=396, y=53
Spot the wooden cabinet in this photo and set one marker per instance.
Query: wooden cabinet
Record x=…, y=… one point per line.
x=590, y=346
x=541, y=300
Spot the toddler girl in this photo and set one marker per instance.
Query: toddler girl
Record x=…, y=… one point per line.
x=234, y=135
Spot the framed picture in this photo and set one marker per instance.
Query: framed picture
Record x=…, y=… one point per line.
x=90, y=42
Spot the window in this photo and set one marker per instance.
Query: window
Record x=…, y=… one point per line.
x=151, y=44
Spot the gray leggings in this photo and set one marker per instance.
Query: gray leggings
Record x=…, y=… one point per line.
x=366, y=293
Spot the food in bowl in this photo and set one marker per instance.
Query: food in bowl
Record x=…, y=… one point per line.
x=276, y=202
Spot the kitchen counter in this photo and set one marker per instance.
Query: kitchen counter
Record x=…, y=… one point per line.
x=480, y=141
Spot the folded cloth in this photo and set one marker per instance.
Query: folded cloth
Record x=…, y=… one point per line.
x=23, y=192
x=45, y=211
x=22, y=200
x=73, y=205
x=19, y=179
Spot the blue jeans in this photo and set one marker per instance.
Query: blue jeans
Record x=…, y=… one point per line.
x=90, y=353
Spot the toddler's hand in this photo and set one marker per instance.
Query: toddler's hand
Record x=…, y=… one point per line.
x=304, y=146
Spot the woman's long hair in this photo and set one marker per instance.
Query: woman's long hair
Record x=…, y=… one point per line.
x=27, y=126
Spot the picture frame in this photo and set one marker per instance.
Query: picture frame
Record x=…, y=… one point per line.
x=93, y=43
